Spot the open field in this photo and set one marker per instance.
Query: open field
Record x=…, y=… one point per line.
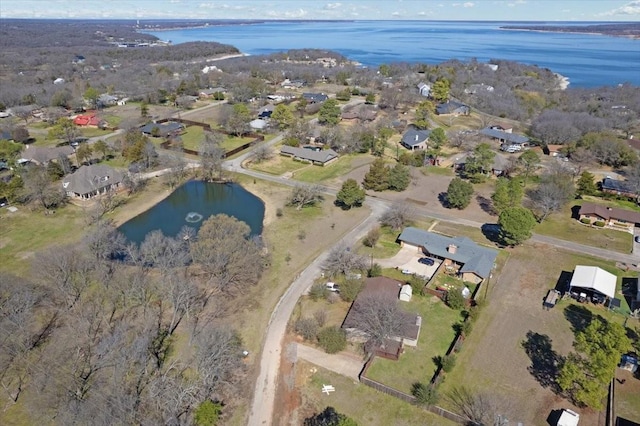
x=360, y=402
x=493, y=357
x=418, y=364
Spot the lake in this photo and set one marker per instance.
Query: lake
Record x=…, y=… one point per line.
x=587, y=60
x=193, y=203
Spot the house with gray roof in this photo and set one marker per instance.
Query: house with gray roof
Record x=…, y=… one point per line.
x=424, y=89
x=414, y=139
x=618, y=187
x=312, y=154
x=42, y=155
x=472, y=261
x=164, y=129
x=453, y=108
x=90, y=181
x=315, y=98
x=505, y=137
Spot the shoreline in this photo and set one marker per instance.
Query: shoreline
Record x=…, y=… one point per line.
x=563, y=82
x=537, y=30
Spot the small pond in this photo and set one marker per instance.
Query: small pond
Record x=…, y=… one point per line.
x=193, y=203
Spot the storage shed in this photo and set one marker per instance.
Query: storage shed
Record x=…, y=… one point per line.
x=406, y=293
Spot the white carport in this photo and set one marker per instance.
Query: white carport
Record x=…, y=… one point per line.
x=568, y=418
x=594, y=278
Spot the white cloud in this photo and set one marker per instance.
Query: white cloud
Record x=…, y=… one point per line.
x=332, y=5
x=631, y=8
x=468, y=4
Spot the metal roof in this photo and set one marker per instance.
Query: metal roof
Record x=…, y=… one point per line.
x=322, y=156
x=594, y=278
x=507, y=137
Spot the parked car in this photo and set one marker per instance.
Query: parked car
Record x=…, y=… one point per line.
x=426, y=261
x=637, y=238
x=333, y=287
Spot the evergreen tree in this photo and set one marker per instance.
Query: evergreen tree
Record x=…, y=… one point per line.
x=459, y=193
x=508, y=193
x=440, y=90
x=399, y=177
x=350, y=195
x=530, y=161
x=329, y=113
x=516, y=224
x=282, y=116
x=377, y=178
x=586, y=184
x=423, y=112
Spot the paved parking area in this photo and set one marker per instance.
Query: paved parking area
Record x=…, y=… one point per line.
x=413, y=266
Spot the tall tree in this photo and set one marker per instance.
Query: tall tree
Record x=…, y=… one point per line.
x=101, y=147
x=211, y=156
x=530, y=161
x=84, y=153
x=329, y=113
x=586, y=184
x=342, y=260
x=399, y=177
x=64, y=129
x=440, y=90
x=350, y=195
x=377, y=178
x=508, y=193
x=553, y=193
x=282, y=116
x=516, y=224
x=459, y=193
x=479, y=163
x=238, y=121
x=380, y=318
x=423, y=114
x=39, y=188
x=398, y=216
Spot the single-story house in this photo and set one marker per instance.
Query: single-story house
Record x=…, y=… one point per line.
x=424, y=89
x=292, y=84
x=618, y=187
x=568, y=418
x=258, y=124
x=92, y=120
x=414, y=139
x=505, y=137
x=106, y=99
x=90, y=181
x=593, y=279
x=386, y=289
x=612, y=216
x=209, y=93
x=164, y=129
x=453, y=108
x=501, y=165
x=473, y=261
x=318, y=156
x=42, y=155
x=315, y=98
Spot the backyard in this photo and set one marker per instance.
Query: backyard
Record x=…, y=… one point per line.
x=418, y=364
x=193, y=136
x=512, y=348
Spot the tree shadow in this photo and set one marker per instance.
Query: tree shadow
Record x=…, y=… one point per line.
x=545, y=362
x=554, y=417
x=578, y=316
x=442, y=197
x=491, y=231
x=575, y=212
x=630, y=290
x=486, y=205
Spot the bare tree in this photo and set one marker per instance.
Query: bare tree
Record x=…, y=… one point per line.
x=305, y=195
x=162, y=252
x=553, y=193
x=398, y=215
x=211, y=155
x=39, y=188
x=226, y=255
x=342, y=260
x=480, y=407
x=379, y=318
x=218, y=358
x=262, y=153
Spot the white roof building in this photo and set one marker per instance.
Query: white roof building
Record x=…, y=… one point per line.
x=405, y=293
x=568, y=418
x=594, y=278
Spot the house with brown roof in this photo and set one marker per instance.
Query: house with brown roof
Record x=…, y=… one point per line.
x=42, y=155
x=387, y=289
x=554, y=150
x=624, y=220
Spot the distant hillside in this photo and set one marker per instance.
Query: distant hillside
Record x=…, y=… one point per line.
x=630, y=30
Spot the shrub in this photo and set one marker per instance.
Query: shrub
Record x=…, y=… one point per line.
x=454, y=299
x=332, y=339
x=473, y=313
x=307, y=328
x=466, y=327
x=320, y=317
x=372, y=237
x=279, y=212
x=416, y=283
x=318, y=291
x=425, y=394
x=375, y=270
x=447, y=363
x=599, y=224
x=585, y=220
x=349, y=290
x=207, y=413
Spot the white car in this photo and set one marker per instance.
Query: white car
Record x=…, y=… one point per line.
x=331, y=286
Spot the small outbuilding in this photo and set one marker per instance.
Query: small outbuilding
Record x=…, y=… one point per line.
x=405, y=293
x=568, y=418
x=595, y=280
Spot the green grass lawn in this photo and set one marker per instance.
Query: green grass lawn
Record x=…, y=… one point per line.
x=91, y=132
x=562, y=225
x=363, y=404
x=417, y=364
x=318, y=174
x=25, y=232
x=231, y=142
x=386, y=247
x=436, y=170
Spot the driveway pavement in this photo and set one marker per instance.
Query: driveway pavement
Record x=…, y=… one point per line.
x=405, y=255
x=342, y=363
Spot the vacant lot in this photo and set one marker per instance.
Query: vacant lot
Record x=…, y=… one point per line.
x=493, y=357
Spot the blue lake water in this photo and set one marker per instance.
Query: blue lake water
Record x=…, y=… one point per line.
x=587, y=60
x=202, y=200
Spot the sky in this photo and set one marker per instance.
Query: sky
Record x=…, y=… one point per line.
x=497, y=10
